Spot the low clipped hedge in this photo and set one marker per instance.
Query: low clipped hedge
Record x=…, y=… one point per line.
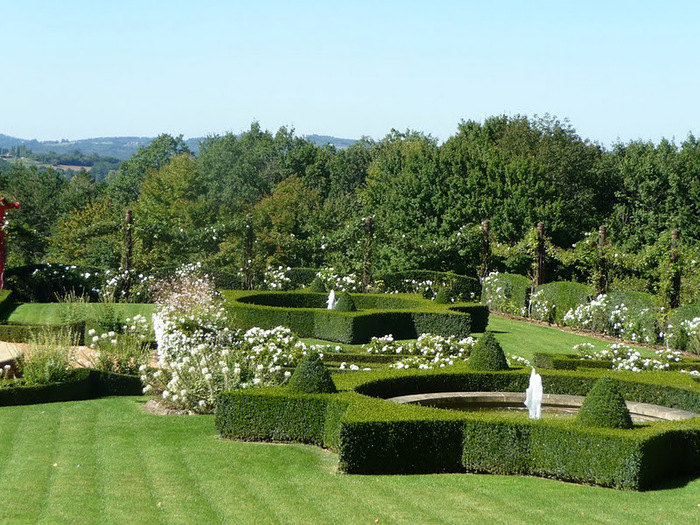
x=23, y=333
x=405, y=317
x=379, y=437
x=84, y=383
x=459, y=287
x=574, y=362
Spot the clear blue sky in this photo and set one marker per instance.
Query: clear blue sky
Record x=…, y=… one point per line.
x=616, y=69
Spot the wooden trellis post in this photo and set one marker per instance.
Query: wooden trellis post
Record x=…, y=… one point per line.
x=541, y=249
x=485, y=248
x=367, y=254
x=127, y=253
x=675, y=299
x=602, y=284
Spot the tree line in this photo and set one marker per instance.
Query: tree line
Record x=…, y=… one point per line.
x=306, y=204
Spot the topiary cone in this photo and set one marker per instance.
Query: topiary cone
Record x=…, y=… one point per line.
x=345, y=303
x=317, y=286
x=312, y=377
x=604, y=406
x=487, y=354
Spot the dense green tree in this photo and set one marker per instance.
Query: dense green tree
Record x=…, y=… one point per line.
x=88, y=236
x=125, y=184
x=41, y=194
x=174, y=222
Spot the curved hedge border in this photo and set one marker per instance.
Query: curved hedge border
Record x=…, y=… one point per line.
x=85, y=383
x=374, y=436
x=404, y=316
x=461, y=287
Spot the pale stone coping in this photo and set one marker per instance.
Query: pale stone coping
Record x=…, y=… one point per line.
x=447, y=399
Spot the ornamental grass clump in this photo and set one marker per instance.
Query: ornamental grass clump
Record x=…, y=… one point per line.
x=312, y=377
x=49, y=357
x=345, y=303
x=122, y=353
x=488, y=354
x=604, y=406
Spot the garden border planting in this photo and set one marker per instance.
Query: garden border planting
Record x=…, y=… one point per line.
x=375, y=436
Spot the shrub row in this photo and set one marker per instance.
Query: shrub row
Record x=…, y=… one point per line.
x=304, y=313
x=23, y=333
x=375, y=436
x=574, y=362
x=85, y=383
x=561, y=297
x=458, y=287
x=42, y=283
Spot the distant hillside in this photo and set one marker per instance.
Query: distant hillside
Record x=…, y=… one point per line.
x=124, y=147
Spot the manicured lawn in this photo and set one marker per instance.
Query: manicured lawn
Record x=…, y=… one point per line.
x=109, y=461
x=524, y=339
x=50, y=313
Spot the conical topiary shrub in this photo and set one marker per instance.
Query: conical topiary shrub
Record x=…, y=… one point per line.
x=604, y=406
x=487, y=354
x=442, y=297
x=312, y=377
x=345, y=303
x=317, y=286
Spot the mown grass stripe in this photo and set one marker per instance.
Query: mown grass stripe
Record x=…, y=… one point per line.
x=29, y=468
x=72, y=490
x=172, y=484
x=126, y=492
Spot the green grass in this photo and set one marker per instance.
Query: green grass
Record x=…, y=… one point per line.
x=109, y=461
x=50, y=313
x=524, y=339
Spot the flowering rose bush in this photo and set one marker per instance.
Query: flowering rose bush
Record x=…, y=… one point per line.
x=339, y=283
x=276, y=279
x=428, y=351
x=601, y=315
x=624, y=357
x=201, y=353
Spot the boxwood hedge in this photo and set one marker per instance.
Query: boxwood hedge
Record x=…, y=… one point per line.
x=405, y=317
x=84, y=383
x=372, y=435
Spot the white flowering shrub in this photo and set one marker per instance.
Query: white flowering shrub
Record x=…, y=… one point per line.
x=339, y=283
x=684, y=335
x=428, y=351
x=624, y=357
x=125, y=352
x=601, y=315
x=540, y=308
x=199, y=352
x=516, y=360
x=140, y=285
x=497, y=292
x=276, y=278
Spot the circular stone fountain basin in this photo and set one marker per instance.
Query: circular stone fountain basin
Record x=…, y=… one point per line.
x=555, y=403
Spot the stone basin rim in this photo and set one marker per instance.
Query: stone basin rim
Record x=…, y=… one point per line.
x=561, y=401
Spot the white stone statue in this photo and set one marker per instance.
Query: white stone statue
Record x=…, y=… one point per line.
x=533, y=395
x=331, y=300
